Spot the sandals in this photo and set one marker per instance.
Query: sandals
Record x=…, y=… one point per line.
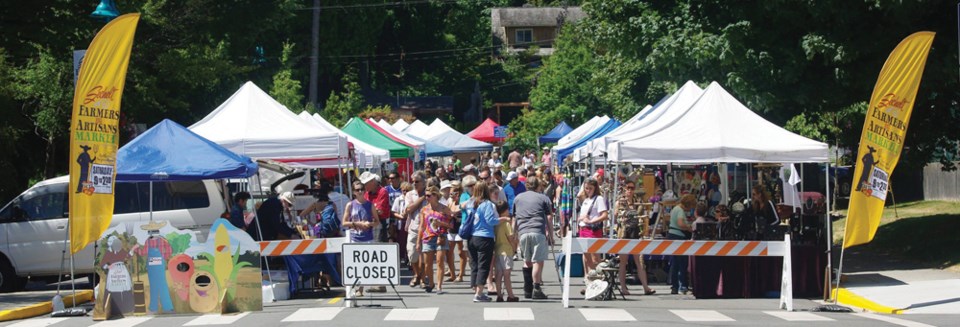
x=651, y=292
x=414, y=283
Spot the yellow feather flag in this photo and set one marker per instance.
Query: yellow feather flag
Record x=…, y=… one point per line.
x=94, y=130
x=884, y=131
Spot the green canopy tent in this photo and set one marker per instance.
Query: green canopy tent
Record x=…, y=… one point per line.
x=360, y=130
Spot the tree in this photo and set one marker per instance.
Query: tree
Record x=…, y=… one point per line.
x=562, y=90
x=44, y=87
x=341, y=106
x=285, y=89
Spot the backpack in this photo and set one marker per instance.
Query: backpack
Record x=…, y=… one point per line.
x=466, y=230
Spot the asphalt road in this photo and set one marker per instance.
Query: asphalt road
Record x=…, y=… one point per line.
x=456, y=307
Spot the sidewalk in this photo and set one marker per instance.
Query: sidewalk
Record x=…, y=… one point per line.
x=880, y=283
x=36, y=300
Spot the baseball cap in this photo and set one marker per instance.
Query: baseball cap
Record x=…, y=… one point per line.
x=511, y=176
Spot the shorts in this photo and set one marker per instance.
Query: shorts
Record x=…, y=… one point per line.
x=591, y=233
x=504, y=263
x=431, y=246
x=454, y=238
x=412, y=253
x=534, y=247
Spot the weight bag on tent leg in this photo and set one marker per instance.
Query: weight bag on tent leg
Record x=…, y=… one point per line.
x=576, y=266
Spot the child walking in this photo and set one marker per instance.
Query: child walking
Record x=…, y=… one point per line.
x=504, y=245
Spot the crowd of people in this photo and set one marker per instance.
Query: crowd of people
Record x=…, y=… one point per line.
x=487, y=213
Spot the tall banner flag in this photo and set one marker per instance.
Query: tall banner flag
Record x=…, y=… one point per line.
x=94, y=130
x=884, y=131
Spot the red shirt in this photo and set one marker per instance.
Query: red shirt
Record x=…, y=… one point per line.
x=381, y=200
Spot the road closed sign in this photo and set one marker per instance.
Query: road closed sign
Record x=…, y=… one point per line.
x=371, y=264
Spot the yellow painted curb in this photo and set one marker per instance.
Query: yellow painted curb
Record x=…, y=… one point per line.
x=849, y=298
x=43, y=308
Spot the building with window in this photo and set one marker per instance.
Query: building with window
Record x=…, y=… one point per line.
x=519, y=29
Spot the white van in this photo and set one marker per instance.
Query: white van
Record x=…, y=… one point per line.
x=33, y=225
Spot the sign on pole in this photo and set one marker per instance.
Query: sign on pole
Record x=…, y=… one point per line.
x=500, y=132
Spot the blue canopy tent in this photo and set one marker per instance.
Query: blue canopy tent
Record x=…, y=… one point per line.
x=607, y=127
x=171, y=152
x=555, y=134
x=433, y=148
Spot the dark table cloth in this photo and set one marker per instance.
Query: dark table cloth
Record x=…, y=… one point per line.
x=757, y=277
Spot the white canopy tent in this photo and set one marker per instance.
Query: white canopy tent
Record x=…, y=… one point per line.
x=649, y=121
x=367, y=156
x=400, y=124
x=418, y=146
x=440, y=133
x=253, y=124
x=577, y=133
x=718, y=128
x=416, y=128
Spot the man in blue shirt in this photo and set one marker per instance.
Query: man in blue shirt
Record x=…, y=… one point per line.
x=513, y=188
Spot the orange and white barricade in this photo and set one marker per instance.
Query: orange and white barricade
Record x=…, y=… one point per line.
x=684, y=247
x=297, y=247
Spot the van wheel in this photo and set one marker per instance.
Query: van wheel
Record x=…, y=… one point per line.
x=9, y=281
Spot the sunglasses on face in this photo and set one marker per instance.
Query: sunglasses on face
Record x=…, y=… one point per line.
x=630, y=187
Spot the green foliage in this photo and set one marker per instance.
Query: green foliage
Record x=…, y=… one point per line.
x=341, y=106
x=562, y=91
x=286, y=89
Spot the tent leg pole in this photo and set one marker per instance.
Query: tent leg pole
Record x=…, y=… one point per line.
x=616, y=197
x=259, y=232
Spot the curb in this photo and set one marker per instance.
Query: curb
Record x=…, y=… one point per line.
x=42, y=308
x=849, y=298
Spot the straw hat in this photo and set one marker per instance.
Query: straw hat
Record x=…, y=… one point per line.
x=153, y=225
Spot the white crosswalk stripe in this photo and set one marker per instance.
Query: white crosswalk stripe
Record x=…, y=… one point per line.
x=313, y=314
x=892, y=320
x=701, y=315
x=507, y=314
x=797, y=316
x=125, y=322
x=421, y=314
x=41, y=322
x=607, y=315
x=215, y=319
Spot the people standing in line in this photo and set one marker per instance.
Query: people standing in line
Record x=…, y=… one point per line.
x=628, y=213
x=380, y=198
x=593, y=212
x=466, y=210
x=513, y=188
x=481, y=244
x=414, y=201
x=680, y=227
x=505, y=244
x=360, y=216
x=432, y=240
x=545, y=158
x=533, y=211
x=398, y=209
x=515, y=159
x=549, y=184
x=393, y=186
x=452, y=196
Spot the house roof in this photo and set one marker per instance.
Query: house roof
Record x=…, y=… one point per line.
x=534, y=16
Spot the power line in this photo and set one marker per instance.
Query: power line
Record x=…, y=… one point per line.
x=385, y=4
x=434, y=51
